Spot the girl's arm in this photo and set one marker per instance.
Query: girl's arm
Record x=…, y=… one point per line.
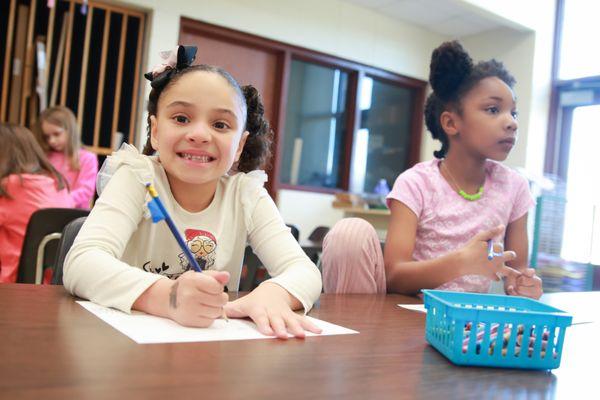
x=405, y=275
x=83, y=188
x=296, y=281
x=93, y=268
x=515, y=239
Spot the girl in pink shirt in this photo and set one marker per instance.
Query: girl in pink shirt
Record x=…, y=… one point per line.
x=444, y=212
x=57, y=132
x=28, y=182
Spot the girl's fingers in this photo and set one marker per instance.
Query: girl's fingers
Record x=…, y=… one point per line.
x=278, y=325
x=533, y=292
x=233, y=310
x=293, y=325
x=510, y=275
x=309, y=326
x=262, y=322
x=211, y=300
x=508, y=255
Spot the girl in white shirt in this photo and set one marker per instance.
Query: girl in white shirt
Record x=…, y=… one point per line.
x=207, y=137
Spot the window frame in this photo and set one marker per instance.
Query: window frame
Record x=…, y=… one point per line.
x=558, y=140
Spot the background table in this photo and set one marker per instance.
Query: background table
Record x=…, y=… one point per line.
x=51, y=347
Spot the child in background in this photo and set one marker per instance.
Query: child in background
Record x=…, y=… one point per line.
x=201, y=123
x=444, y=211
x=56, y=130
x=28, y=182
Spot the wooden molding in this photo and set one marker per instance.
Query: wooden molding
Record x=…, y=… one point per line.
x=7, y=60
x=100, y=97
x=84, y=67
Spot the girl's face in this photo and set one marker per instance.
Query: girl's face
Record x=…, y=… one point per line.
x=55, y=136
x=487, y=126
x=197, y=129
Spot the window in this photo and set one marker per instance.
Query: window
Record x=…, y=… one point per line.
x=578, y=50
x=348, y=127
x=571, y=224
x=382, y=145
x=315, y=126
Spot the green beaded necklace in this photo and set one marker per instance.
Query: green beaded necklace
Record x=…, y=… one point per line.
x=462, y=193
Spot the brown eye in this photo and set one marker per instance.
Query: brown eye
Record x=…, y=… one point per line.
x=182, y=119
x=221, y=125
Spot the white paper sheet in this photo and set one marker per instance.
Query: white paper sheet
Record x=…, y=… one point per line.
x=144, y=328
x=414, y=307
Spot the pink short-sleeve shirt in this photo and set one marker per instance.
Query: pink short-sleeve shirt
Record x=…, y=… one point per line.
x=446, y=221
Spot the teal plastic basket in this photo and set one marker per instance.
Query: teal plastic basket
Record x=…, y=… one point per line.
x=494, y=330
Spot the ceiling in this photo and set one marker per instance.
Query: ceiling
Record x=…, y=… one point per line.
x=451, y=18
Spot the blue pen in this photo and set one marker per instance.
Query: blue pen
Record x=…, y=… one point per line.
x=491, y=253
x=165, y=215
x=159, y=212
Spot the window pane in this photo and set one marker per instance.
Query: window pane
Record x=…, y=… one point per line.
x=382, y=144
x=582, y=216
x=578, y=54
x=315, y=125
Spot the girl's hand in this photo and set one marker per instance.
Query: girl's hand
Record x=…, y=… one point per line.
x=475, y=257
x=197, y=299
x=528, y=285
x=270, y=307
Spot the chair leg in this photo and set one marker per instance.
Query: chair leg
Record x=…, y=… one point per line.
x=39, y=261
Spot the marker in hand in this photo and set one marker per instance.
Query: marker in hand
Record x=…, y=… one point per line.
x=490, y=251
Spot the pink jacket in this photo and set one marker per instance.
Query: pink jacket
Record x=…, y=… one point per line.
x=82, y=183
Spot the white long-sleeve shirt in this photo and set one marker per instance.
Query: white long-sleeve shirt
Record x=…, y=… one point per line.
x=119, y=252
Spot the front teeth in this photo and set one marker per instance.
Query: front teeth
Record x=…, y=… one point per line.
x=203, y=159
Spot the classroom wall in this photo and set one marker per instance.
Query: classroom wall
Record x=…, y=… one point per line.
x=350, y=32
x=527, y=53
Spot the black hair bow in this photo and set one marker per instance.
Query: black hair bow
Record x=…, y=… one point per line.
x=174, y=61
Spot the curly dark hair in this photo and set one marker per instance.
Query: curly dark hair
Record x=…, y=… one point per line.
x=452, y=75
x=257, y=150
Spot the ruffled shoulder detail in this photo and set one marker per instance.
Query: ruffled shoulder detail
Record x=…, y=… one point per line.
x=126, y=155
x=251, y=189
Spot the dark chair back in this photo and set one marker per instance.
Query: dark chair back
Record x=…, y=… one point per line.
x=318, y=234
x=43, y=232
x=66, y=241
x=295, y=231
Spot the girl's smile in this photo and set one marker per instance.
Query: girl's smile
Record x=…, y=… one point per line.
x=196, y=158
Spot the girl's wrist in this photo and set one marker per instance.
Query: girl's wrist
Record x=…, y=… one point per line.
x=157, y=298
x=459, y=260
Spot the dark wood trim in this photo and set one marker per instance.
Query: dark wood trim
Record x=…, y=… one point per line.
x=67, y=58
x=226, y=34
x=7, y=61
x=136, y=98
x=416, y=126
x=285, y=65
x=352, y=124
x=286, y=53
x=551, y=139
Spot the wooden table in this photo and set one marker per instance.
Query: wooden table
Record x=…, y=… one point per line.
x=51, y=347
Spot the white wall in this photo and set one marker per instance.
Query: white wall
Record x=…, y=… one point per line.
x=527, y=53
x=357, y=34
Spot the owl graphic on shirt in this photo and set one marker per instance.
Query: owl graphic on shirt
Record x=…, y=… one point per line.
x=203, y=246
